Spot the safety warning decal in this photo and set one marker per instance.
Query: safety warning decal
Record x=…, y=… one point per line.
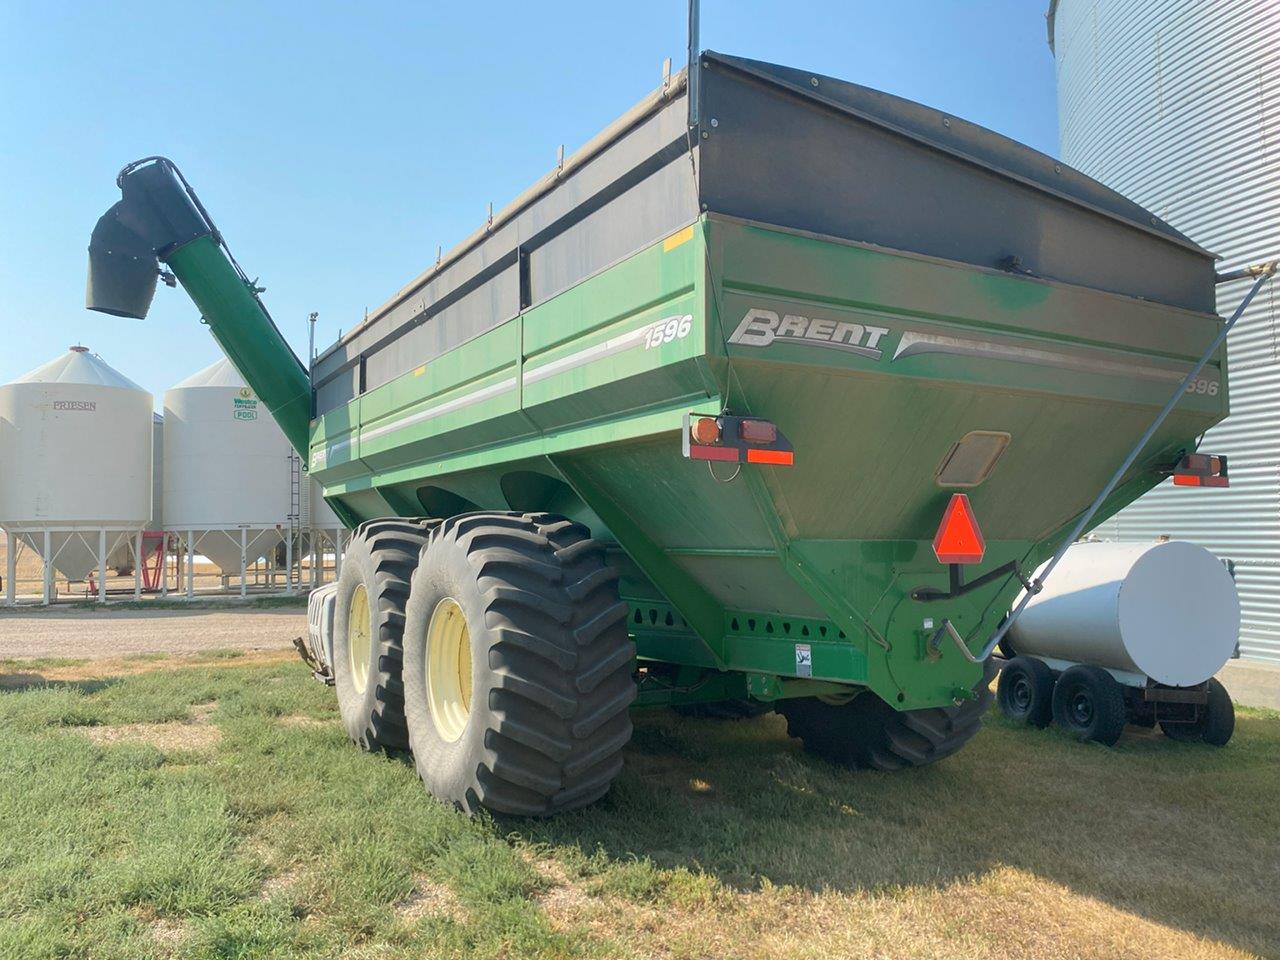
x=804, y=660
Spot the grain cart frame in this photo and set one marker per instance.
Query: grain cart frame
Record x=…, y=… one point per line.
x=907, y=304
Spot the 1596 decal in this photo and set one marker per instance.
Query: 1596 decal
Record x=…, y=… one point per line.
x=665, y=331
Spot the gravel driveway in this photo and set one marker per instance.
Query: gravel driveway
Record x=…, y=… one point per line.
x=92, y=634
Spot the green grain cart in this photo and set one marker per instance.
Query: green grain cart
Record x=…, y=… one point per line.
x=680, y=424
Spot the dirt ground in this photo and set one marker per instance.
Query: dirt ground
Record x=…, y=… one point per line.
x=93, y=634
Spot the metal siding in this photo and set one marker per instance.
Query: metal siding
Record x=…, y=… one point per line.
x=1174, y=104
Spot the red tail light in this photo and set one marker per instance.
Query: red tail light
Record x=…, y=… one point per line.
x=757, y=431
x=735, y=440
x=1201, y=470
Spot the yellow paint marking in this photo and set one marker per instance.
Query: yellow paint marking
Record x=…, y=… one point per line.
x=419, y=371
x=673, y=241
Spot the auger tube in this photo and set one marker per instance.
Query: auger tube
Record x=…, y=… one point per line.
x=159, y=220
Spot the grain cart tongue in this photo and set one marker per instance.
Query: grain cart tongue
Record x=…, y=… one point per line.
x=820, y=372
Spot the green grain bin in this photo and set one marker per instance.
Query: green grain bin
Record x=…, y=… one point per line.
x=902, y=304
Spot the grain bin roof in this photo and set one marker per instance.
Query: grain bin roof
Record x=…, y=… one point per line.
x=78, y=365
x=220, y=374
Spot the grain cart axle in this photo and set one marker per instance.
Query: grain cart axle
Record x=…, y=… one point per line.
x=682, y=424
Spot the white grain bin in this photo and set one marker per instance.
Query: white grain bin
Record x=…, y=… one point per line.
x=1177, y=105
x=75, y=459
x=121, y=559
x=317, y=514
x=1167, y=611
x=226, y=467
x=325, y=532
x=157, y=473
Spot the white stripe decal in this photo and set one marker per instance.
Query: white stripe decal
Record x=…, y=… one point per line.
x=449, y=406
x=912, y=344
x=623, y=341
x=466, y=400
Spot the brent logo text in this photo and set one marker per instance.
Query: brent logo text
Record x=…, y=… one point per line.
x=759, y=328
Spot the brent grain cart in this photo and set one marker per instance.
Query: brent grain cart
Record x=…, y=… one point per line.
x=681, y=423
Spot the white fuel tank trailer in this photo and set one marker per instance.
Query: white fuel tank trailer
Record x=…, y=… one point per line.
x=1167, y=611
x=1126, y=633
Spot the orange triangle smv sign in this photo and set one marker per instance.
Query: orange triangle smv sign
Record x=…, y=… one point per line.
x=958, y=539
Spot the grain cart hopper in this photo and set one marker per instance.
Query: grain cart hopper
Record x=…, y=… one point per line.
x=680, y=425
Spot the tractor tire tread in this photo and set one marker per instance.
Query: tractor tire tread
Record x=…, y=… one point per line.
x=868, y=733
x=391, y=547
x=561, y=662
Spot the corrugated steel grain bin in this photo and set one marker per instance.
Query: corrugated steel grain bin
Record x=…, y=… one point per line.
x=1177, y=106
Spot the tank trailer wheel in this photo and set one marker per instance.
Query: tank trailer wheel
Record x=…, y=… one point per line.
x=1214, y=726
x=1088, y=703
x=367, y=629
x=867, y=733
x=1025, y=691
x=517, y=665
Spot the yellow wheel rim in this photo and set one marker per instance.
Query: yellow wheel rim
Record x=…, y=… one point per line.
x=448, y=668
x=359, y=642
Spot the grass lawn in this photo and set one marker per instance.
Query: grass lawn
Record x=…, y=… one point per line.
x=213, y=809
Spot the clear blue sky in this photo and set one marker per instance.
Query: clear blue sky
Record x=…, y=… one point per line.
x=336, y=144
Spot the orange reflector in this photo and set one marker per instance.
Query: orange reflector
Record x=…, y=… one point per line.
x=958, y=539
x=1195, y=480
x=782, y=458
x=706, y=430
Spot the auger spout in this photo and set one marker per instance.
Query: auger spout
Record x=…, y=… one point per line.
x=159, y=220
